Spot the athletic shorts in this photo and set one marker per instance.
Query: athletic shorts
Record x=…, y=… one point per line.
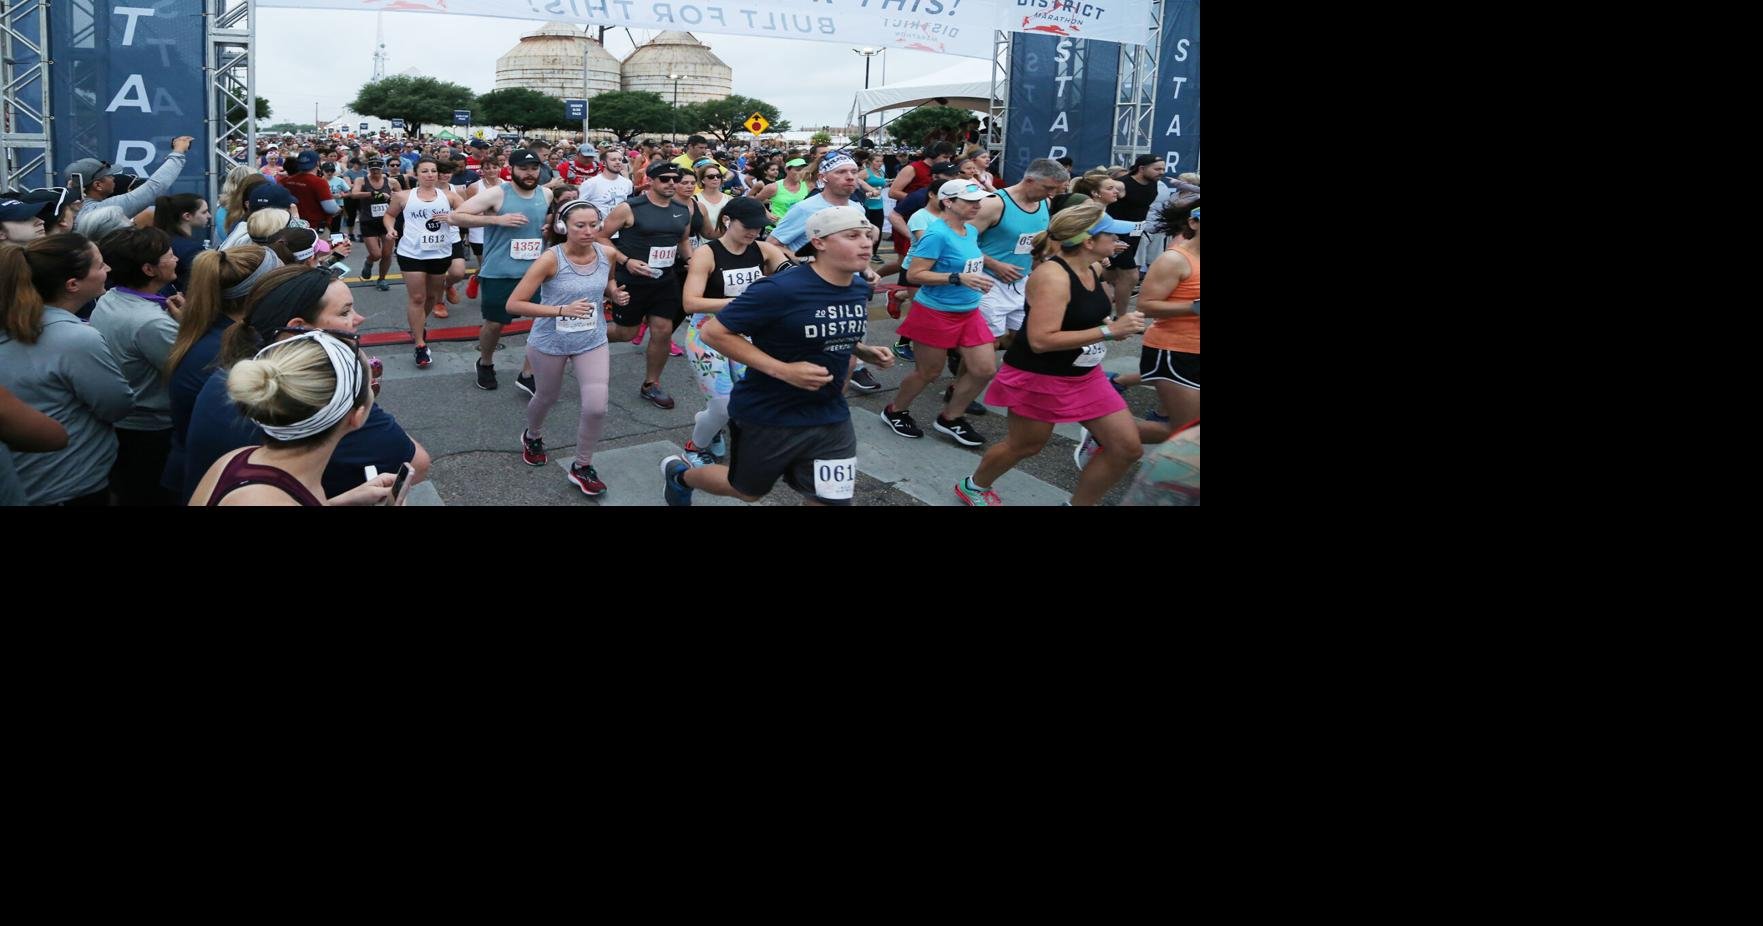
x=716, y=374
x=493, y=296
x=649, y=296
x=1004, y=306
x=372, y=228
x=459, y=250
x=1172, y=366
x=477, y=250
x=1127, y=259
x=759, y=454
x=902, y=244
x=437, y=266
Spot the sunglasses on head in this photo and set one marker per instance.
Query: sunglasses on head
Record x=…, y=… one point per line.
x=63, y=195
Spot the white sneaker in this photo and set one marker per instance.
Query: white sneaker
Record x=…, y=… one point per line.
x=1086, y=449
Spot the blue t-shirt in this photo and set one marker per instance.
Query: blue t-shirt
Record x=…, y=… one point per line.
x=953, y=254
x=797, y=316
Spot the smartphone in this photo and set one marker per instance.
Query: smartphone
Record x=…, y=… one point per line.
x=337, y=239
x=404, y=471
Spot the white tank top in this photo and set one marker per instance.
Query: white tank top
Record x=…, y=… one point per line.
x=425, y=228
x=474, y=235
x=711, y=214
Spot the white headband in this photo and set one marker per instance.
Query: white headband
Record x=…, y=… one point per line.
x=348, y=370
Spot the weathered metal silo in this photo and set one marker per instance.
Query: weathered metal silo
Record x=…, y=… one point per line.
x=705, y=76
x=550, y=61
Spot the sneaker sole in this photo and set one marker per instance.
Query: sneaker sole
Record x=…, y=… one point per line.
x=490, y=388
x=958, y=438
x=862, y=388
x=890, y=424
x=523, y=388
x=664, y=482
x=578, y=484
x=963, y=496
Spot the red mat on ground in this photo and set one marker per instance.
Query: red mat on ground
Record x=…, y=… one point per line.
x=464, y=333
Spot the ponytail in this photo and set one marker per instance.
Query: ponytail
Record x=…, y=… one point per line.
x=35, y=274
x=24, y=307
x=212, y=273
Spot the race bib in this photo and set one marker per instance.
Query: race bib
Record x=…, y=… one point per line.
x=662, y=258
x=572, y=325
x=835, y=480
x=377, y=210
x=525, y=248
x=1091, y=355
x=1025, y=244
x=735, y=282
x=437, y=238
x=974, y=266
x=1138, y=228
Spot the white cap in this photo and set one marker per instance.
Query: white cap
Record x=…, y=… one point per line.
x=963, y=189
x=835, y=219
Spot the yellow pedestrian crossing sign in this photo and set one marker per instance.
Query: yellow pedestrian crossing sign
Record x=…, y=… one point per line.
x=756, y=124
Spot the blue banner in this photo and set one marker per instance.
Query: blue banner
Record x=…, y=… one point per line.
x=127, y=79
x=575, y=110
x=397, y=123
x=1175, y=132
x=461, y=117
x=1061, y=101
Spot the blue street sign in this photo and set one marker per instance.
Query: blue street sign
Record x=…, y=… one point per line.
x=461, y=117
x=397, y=123
x=363, y=126
x=575, y=110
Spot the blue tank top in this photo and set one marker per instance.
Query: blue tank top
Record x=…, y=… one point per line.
x=506, y=249
x=1012, y=240
x=564, y=337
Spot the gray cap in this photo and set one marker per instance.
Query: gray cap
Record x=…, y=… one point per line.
x=90, y=170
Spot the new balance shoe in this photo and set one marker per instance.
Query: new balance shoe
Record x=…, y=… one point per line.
x=901, y=423
x=471, y=288
x=960, y=430
x=486, y=376
x=422, y=357
x=528, y=384
x=656, y=395
x=1085, y=450
x=586, y=480
x=532, y=450
x=974, y=497
x=903, y=350
x=864, y=381
x=719, y=445
x=699, y=457
x=674, y=491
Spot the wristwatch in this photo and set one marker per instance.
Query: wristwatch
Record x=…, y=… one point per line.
x=954, y=279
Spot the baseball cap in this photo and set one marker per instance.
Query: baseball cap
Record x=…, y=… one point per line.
x=963, y=189
x=745, y=210
x=270, y=195
x=376, y=162
x=13, y=210
x=50, y=200
x=524, y=157
x=950, y=169
x=661, y=168
x=589, y=153
x=91, y=169
x=1145, y=160
x=835, y=219
x=1108, y=225
x=479, y=143
x=307, y=160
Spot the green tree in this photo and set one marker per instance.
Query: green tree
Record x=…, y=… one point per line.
x=520, y=109
x=237, y=113
x=416, y=100
x=820, y=138
x=911, y=128
x=629, y=113
x=724, y=118
x=291, y=127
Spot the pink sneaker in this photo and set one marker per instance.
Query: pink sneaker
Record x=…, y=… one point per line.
x=673, y=350
x=641, y=330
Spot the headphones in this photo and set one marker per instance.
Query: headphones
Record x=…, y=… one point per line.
x=561, y=224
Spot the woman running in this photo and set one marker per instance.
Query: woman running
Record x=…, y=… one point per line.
x=425, y=249
x=374, y=191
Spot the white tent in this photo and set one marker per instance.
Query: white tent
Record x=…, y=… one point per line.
x=974, y=94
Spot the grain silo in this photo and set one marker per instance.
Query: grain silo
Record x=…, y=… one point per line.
x=705, y=76
x=550, y=61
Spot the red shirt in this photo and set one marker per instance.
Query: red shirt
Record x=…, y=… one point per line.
x=309, y=191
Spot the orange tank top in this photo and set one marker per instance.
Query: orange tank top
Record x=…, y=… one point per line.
x=1182, y=333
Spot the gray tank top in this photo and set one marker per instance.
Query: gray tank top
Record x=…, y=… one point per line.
x=563, y=337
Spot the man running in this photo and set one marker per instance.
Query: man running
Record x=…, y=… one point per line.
x=840, y=173
x=513, y=218
x=1134, y=207
x=656, y=232
x=610, y=187
x=1008, y=224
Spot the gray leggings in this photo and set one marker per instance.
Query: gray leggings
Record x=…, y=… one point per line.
x=593, y=373
x=712, y=419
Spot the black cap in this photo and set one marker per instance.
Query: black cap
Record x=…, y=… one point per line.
x=524, y=157
x=950, y=169
x=746, y=210
x=664, y=167
x=1144, y=160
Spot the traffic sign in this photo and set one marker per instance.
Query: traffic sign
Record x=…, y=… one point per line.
x=756, y=124
x=363, y=126
x=397, y=123
x=461, y=117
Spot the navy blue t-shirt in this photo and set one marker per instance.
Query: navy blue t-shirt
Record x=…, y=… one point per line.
x=216, y=427
x=914, y=201
x=797, y=316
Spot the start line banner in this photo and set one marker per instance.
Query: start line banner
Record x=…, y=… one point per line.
x=947, y=27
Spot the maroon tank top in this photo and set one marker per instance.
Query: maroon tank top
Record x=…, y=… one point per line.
x=241, y=472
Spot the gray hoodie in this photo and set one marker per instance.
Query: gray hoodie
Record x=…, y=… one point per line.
x=95, y=220
x=70, y=376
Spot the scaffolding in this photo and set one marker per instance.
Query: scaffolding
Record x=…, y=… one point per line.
x=1136, y=97
x=26, y=126
x=998, y=125
x=232, y=86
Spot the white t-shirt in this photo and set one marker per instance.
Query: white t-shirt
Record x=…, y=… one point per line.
x=606, y=192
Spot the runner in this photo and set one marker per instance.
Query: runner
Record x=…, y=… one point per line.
x=1008, y=224
x=447, y=170
x=789, y=417
x=1053, y=374
x=790, y=190
x=572, y=283
x=655, y=232
x=839, y=176
x=374, y=192
x=424, y=249
x=512, y=217
x=710, y=201
x=1133, y=208
x=609, y=187
x=488, y=176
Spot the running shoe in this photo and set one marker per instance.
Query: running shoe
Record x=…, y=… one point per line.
x=641, y=330
x=586, y=480
x=528, y=384
x=422, y=358
x=961, y=431
x=864, y=381
x=673, y=350
x=532, y=451
x=440, y=310
x=471, y=288
x=382, y=285
x=673, y=489
x=901, y=423
x=973, y=408
x=486, y=376
x=903, y=350
x=656, y=395
x=719, y=445
x=699, y=457
x=972, y=497
x=453, y=293
x=1085, y=450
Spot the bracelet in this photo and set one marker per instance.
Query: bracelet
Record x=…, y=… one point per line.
x=1104, y=329
x=560, y=311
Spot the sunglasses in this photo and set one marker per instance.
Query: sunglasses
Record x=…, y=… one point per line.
x=666, y=179
x=349, y=336
x=63, y=195
x=712, y=176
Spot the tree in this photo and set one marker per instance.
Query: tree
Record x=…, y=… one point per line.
x=520, y=109
x=237, y=113
x=912, y=128
x=416, y=100
x=820, y=138
x=629, y=113
x=723, y=118
x=306, y=127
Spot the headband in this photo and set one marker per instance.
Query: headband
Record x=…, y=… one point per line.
x=306, y=254
x=243, y=288
x=348, y=369
x=835, y=161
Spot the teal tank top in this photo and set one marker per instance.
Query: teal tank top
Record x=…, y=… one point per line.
x=1011, y=241
x=508, y=252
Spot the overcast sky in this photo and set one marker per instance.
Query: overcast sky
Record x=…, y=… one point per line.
x=322, y=57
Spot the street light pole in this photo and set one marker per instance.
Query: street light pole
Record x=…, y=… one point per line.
x=676, y=78
x=863, y=118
